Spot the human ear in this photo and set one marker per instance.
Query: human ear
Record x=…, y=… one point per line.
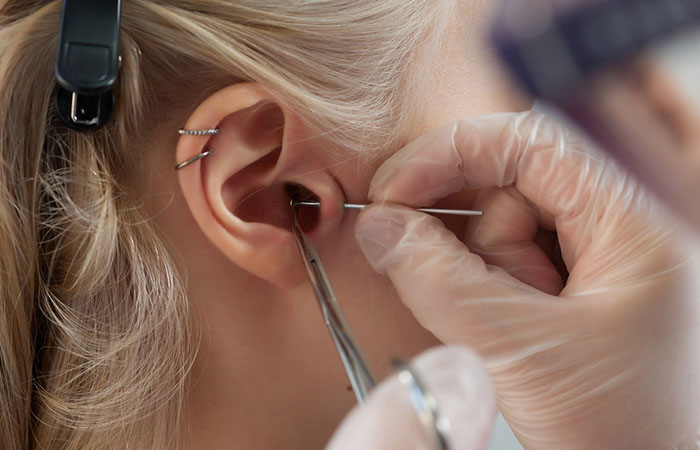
x=237, y=194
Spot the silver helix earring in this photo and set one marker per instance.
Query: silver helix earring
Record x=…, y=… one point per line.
x=199, y=132
x=199, y=156
x=193, y=159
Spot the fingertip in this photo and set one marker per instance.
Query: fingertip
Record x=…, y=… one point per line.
x=382, y=178
x=455, y=377
x=418, y=184
x=421, y=173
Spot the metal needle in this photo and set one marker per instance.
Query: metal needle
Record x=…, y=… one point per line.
x=453, y=212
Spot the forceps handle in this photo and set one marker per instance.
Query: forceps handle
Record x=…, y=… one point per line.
x=360, y=377
x=453, y=212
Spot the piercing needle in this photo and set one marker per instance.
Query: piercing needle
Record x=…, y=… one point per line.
x=454, y=212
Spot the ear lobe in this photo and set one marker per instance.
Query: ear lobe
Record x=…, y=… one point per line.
x=236, y=194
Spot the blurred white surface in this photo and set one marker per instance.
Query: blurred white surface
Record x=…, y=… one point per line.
x=503, y=438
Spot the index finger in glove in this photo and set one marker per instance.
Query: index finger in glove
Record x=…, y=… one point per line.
x=522, y=149
x=455, y=377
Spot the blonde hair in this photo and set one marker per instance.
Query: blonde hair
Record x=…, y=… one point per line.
x=95, y=339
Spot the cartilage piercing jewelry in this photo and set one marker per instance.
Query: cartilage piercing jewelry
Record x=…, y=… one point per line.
x=199, y=132
x=193, y=159
x=196, y=158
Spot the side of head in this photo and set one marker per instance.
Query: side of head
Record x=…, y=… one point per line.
x=93, y=306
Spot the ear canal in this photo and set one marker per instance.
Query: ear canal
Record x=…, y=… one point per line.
x=308, y=217
x=271, y=205
x=299, y=193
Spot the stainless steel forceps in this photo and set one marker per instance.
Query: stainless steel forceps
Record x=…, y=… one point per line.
x=359, y=374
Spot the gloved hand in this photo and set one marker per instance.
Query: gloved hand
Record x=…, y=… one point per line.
x=606, y=359
x=455, y=376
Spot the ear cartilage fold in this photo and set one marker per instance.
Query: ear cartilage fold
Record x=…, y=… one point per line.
x=211, y=132
x=451, y=212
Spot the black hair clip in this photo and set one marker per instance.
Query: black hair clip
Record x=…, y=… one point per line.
x=88, y=62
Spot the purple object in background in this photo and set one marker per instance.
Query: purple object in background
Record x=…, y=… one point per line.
x=595, y=61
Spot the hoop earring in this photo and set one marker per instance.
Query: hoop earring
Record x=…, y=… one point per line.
x=195, y=158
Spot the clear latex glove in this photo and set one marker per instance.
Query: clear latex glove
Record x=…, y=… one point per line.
x=607, y=359
x=455, y=376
